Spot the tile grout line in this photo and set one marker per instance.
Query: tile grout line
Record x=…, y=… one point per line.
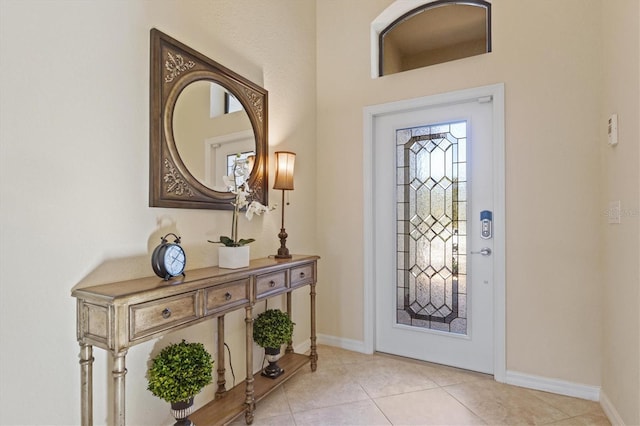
x=463, y=404
x=286, y=398
x=376, y=405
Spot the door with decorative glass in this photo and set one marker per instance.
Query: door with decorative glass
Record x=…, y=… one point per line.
x=433, y=179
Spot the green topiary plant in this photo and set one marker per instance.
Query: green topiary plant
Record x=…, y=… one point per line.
x=272, y=328
x=180, y=371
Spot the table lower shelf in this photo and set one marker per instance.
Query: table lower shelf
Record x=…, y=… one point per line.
x=232, y=404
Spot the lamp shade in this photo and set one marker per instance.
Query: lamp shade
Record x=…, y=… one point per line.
x=284, y=170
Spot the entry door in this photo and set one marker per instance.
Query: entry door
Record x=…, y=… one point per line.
x=432, y=187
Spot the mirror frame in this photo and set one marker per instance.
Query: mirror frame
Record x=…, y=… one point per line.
x=175, y=65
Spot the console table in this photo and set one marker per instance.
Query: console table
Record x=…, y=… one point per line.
x=116, y=316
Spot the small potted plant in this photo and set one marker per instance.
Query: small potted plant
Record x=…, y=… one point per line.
x=177, y=374
x=272, y=329
x=235, y=251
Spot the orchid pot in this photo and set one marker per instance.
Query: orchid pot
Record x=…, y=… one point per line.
x=233, y=257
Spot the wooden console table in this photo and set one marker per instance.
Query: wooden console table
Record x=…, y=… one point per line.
x=119, y=315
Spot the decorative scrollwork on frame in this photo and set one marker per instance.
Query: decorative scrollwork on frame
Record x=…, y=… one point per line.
x=174, y=182
x=258, y=193
x=176, y=65
x=256, y=102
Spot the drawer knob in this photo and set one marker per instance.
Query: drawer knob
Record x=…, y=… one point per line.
x=227, y=296
x=301, y=274
x=166, y=313
x=272, y=283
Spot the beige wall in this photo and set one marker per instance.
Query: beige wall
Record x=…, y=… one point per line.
x=550, y=64
x=572, y=280
x=621, y=177
x=444, y=54
x=74, y=177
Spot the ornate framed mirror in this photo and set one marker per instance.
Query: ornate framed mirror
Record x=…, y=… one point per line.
x=202, y=115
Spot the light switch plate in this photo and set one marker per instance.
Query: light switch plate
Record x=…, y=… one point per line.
x=612, y=130
x=614, y=212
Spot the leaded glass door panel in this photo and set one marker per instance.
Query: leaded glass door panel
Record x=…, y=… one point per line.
x=433, y=176
x=432, y=222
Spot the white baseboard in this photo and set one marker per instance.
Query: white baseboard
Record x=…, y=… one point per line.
x=303, y=347
x=340, y=342
x=546, y=384
x=610, y=410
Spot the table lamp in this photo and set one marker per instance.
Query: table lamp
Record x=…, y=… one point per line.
x=284, y=181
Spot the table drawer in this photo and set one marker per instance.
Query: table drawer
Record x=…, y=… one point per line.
x=158, y=315
x=227, y=296
x=269, y=284
x=302, y=275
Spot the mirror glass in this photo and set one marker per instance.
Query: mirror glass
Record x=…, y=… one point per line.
x=202, y=116
x=210, y=128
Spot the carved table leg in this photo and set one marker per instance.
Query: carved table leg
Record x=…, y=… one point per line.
x=314, y=351
x=86, y=384
x=222, y=390
x=289, y=343
x=250, y=402
x=118, y=373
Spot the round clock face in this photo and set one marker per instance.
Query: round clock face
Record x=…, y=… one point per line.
x=174, y=259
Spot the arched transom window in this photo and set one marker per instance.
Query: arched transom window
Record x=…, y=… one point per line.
x=432, y=33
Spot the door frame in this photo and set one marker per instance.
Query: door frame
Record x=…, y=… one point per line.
x=496, y=91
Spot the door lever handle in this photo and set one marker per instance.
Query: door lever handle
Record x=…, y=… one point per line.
x=485, y=251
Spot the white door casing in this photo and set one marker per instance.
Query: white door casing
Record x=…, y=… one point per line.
x=489, y=271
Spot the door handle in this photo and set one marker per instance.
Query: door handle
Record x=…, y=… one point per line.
x=485, y=251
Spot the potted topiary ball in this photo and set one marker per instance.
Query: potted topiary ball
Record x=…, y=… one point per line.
x=272, y=329
x=177, y=374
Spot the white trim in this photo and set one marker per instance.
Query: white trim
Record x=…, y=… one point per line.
x=341, y=342
x=369, y=114
x=390, y=14
x=610, y=410
x=500, y=233
x=368, y=225
x=303, y=347
x=558, y=386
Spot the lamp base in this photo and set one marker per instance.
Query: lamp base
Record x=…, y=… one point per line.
x=283, y=251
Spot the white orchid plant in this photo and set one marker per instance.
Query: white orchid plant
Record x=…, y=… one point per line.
x=238, y=184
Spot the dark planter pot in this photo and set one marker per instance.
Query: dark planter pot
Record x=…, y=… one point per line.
x=181, y=411
x=272, y=370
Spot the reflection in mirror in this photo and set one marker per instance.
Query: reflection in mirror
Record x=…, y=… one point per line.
x=436, y=32
x=231, y=103
x=210, y=126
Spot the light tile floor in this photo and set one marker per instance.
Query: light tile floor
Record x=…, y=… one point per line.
x=350, y=388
